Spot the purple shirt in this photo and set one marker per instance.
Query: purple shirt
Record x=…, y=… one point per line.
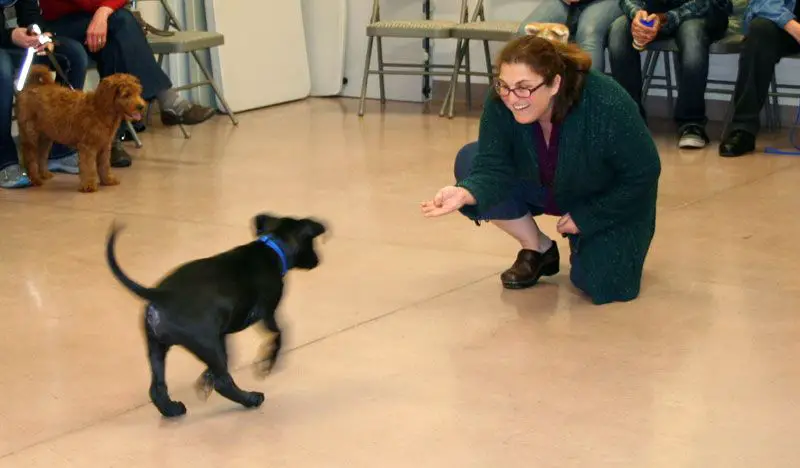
x=548, y=160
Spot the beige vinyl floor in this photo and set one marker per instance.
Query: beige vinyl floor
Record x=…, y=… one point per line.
x=402, y=348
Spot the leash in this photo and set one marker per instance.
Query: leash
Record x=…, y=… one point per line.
x=793, y=139
x=31, y=54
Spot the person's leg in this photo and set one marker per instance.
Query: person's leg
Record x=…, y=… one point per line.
x=11, y=173
x=626, y=62
x=547, y=11
x=539, y=254
x=764, y=45
x=694, y=38
x=74, y=61
x=127, y=51
x=594, y=23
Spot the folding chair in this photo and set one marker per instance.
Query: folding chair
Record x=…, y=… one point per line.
x=425, y=29
x=478, y=28
x=181, y=41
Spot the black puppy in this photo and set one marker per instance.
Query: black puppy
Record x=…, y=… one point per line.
x=202, y=301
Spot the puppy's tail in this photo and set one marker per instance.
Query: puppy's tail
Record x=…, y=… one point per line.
x=39, y=75
x=144, y=292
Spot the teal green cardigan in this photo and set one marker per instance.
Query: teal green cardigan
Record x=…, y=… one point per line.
x=606, y=179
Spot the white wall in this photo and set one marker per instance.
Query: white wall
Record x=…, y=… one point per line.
x=409, y=88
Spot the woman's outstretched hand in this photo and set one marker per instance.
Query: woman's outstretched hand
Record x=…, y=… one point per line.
x=446, y=201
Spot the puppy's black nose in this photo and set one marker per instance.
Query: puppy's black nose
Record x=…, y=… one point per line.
x=140, y=107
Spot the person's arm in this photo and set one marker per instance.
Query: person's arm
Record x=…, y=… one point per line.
x=630, y=151
x=492, y=175
x=793, y=28
x=631, y=7
x=5, y=38
x=28, y=13
x=775, y=11
x=671, y=20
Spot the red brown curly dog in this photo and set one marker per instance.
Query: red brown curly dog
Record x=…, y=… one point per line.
x=88, y=121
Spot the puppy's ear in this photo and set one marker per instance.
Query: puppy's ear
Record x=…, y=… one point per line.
x=313, y=228
x=265, y=223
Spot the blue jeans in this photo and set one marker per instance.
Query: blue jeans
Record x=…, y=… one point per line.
x=127, y=49
x=693, y=38
x=593, y=19
x=526, y=199
x=72, y=59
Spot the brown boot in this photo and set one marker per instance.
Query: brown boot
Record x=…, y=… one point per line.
x=530, y=266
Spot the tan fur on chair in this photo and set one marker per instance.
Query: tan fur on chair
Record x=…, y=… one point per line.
x=48, y=112
x=555, y=32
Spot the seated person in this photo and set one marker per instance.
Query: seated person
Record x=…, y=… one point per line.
x=772, y=31
x=694, y=24
x=560, y=139
x=114, y=39
x=13, y=47
x=591, y=18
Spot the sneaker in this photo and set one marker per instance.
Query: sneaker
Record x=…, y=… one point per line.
x=693, y=136
x=13, y=177
x=66, y=165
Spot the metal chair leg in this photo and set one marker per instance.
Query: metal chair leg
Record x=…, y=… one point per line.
x=451, y=89
x=216, y=90
x=132, y=131
x=381, y=79
x=365, y=78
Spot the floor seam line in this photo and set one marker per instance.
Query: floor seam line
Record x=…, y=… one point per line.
x=124, y=412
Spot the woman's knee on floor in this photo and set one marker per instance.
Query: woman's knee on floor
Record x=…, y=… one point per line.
x=464, y=160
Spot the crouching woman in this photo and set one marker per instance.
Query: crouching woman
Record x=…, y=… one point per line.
x=558, y=138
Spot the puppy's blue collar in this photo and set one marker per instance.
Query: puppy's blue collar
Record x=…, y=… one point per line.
x=280, y=248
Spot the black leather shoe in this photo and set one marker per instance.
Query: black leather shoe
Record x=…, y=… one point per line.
x=737, y=143
x=119, y=157
x=530, y=266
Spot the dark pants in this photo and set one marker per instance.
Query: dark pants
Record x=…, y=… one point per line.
x=526, y=199
x=764, y=46
x=693, y=38
x=126, y=49
x=72, y=59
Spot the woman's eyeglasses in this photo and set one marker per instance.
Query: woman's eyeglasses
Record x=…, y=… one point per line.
x=504, y=90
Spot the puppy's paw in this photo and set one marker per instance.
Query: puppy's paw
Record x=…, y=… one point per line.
x=109, y=180
x=36, y=181
x=254, y=400
x=46, y=175
x=88, y=187
x=204, y=385
x=173, y=409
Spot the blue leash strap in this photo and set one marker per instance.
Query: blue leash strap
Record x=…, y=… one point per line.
x=792, y=139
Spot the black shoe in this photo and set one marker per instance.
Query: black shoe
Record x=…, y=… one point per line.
x=119, y=157
x=693, y=136
x=737, y=143
x=530, y=266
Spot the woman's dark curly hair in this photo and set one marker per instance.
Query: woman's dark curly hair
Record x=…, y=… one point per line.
x=550, y=59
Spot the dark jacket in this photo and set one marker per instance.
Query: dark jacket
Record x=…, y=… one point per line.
x=27, y=12
x=607, y=179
